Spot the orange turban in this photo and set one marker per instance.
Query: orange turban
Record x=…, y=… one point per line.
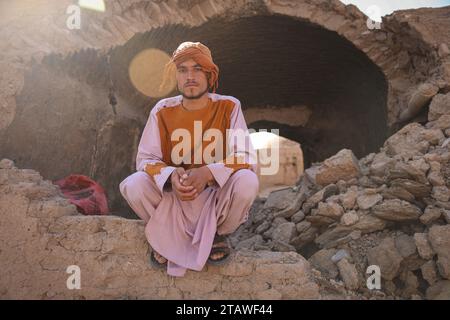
x=198, y=52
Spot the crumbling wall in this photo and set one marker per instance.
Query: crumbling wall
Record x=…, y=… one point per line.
x=42, y=235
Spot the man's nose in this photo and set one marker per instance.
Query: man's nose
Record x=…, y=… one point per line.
x=190, y=74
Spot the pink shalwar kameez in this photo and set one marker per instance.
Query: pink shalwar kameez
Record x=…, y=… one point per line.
x=183, y=231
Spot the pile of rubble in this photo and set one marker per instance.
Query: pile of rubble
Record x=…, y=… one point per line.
x=390, y=209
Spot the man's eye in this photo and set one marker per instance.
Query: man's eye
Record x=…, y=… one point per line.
x=198, y=69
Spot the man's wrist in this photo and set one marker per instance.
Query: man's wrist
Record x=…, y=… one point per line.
x=211, y=179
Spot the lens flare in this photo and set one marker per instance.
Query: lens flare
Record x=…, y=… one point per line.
x=146, y=73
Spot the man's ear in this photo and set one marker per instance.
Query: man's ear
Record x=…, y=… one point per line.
x=208, y=77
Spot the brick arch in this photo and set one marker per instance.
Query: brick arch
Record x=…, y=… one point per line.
x=400, y=52
x=395, y=49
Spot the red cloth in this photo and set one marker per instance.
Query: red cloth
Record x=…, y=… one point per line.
x=86, y=194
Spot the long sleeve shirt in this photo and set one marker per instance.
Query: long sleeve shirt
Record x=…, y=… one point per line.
x=159, y=150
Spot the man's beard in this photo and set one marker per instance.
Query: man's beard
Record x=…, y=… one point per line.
x=194, y=97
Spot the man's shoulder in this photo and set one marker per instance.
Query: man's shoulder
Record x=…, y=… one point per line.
x=176, y=100
x=222, y=97
x=166, y=103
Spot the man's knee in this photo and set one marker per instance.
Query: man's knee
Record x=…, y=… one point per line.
x=133, y=187
x=246, y=185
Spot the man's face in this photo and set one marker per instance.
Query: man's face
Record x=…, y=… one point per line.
x=191, y=79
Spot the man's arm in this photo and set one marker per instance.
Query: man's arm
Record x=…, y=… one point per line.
x=149, y=155
x=240, y=152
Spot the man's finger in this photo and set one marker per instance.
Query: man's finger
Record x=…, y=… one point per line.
x=186, y=198
x=182, y=188
x=189, y=193
x=180, y=171
x=182, y=174
x=183, y=183
x=190, y=197
x=189, y=180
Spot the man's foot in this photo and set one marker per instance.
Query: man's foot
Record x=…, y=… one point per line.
x=157, y=260
x=220, y=251
x=159, y=257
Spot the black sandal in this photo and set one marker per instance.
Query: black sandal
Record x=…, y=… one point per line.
x=155, y=263
x=225, y=250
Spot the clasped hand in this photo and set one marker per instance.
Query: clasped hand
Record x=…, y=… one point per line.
x=188, y=184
